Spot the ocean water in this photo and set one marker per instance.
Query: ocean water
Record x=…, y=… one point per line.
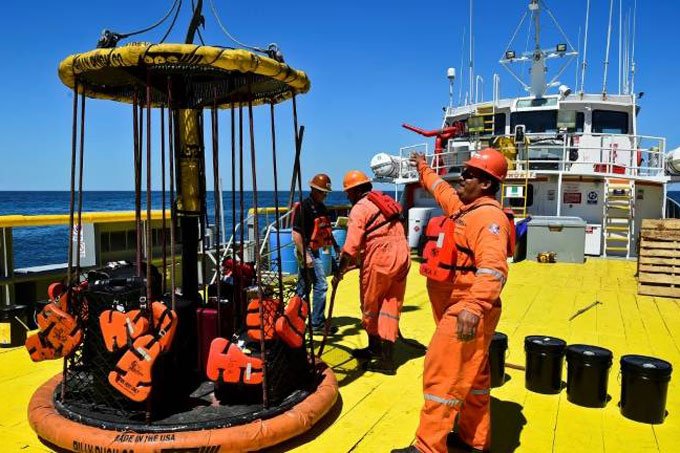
x=35, y=246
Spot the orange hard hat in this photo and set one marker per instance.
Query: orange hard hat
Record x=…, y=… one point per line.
x=321, y=182
x=491, y=162
x=354, y=178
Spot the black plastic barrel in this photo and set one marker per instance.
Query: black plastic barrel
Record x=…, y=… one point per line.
x=588, y=374
x=497, y=348
x=12, y=326
x=544, y=360
x=644, y=387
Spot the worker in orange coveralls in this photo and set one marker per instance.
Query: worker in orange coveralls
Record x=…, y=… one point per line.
x=376, y=237
x=467, y=308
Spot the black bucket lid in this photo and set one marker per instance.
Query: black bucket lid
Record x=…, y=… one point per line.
x=499, y=340
x=588, y=353
x=543, y=343
x=650, y=366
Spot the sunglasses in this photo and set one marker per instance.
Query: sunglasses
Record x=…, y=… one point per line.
x=467, y=174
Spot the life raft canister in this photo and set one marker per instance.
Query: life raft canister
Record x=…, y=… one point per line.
x=132, y=375
x=440, y=252
x=120, y=328
x=59, y=335
x=387, y=206
x=228, y=363
x=165, y=322
x=270, y=308
x=322, y=234
x=291, y=326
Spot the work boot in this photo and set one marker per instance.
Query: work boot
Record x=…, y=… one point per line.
x=372, y=350
x=383, y=363
x=409, y=449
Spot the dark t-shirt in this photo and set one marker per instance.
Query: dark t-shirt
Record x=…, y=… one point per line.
x=311, y=211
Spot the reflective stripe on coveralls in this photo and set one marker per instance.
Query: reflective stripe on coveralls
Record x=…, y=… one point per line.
x=455, y=369
x=384, y=268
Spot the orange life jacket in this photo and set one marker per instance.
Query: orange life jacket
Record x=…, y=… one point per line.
x=59, y=335
x=388, y=207
x=228, y=363
x=270, y=309
x=119, y=329
x=132, y=375
x=291, y=326
x=440, y=253
x=322, y=234
x=165, y=323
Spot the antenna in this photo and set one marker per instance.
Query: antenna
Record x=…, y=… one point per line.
x=620, y=41
x=471, y=75
x=462, y=51
x=606, y=58
x=632, y=56
x=451, y=75
x=584, y=64
x=578, y=49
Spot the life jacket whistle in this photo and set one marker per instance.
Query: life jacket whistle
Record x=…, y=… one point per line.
x=228, y=363
x=165, y=321
x=132, y=375
x=291, y=326
x=270, y=308
x=119, y=329
x=440, y=252
x=322, y=234
x=59, y=335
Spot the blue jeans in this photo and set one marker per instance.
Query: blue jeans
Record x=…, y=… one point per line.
x=319, y=286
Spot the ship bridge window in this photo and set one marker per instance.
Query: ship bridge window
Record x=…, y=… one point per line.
x=609, y=122
x=540, y=121
x=499, y=124
x=570, y=120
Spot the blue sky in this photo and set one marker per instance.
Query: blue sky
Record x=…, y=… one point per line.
x=373, y=65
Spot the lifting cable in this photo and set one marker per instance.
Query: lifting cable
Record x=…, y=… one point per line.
x=299, y=134
x=164, y=241
x=276, y=204
x=79, y=230
x=272, y=49
x=149, y=244
x=172, y=23
x=139, y=130
x=218, y=206
x=173, y=210
x=241, y=204
x=234, y=274
x=110, y=38
x=258, y=264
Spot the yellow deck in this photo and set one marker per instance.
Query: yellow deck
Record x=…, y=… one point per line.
x=376, y=413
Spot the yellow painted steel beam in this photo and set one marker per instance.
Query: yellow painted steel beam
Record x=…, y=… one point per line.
x=9, y=221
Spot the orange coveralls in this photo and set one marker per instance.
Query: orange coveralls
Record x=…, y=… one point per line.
x=456, y=377
x=384, y=268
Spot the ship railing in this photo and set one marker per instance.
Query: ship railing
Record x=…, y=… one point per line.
x=616, y=155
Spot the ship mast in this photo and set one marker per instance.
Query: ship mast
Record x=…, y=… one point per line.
x=538, y=56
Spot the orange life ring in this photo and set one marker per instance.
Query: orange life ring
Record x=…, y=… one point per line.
x=57, y=430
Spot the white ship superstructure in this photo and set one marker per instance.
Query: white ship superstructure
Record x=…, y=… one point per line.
x=570, y=154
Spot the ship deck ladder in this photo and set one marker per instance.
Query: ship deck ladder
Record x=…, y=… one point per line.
x=515, y=189
x=617, y=216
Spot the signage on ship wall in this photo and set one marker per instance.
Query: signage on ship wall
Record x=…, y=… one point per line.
x=592, y=197
x=571, y=198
